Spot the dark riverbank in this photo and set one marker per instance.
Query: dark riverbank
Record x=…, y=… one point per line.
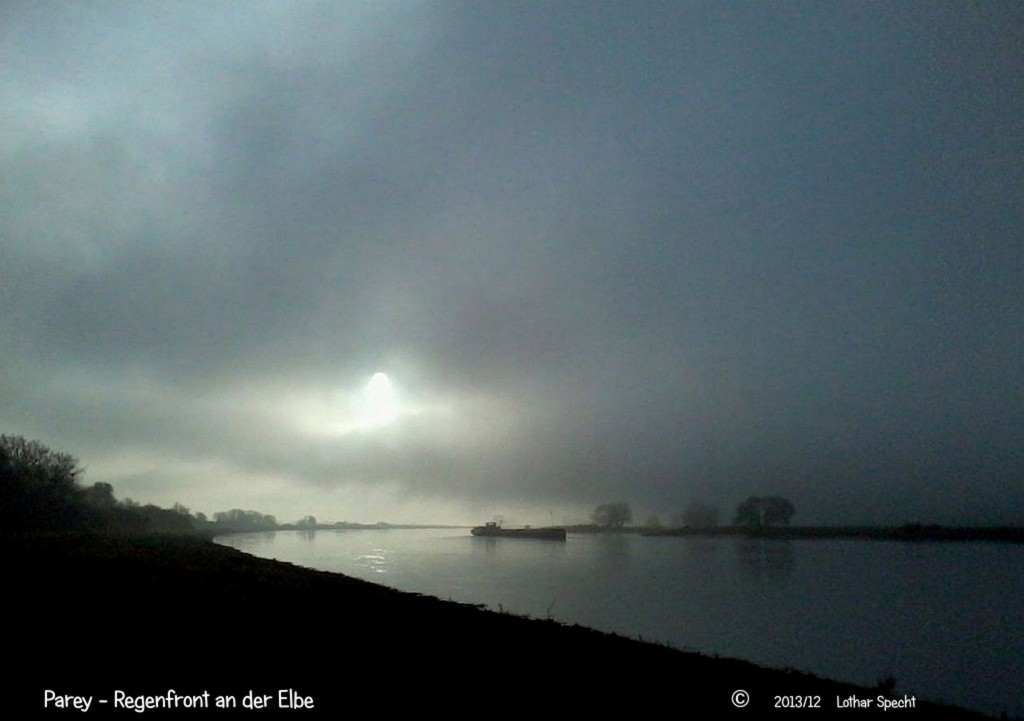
x=145, y=614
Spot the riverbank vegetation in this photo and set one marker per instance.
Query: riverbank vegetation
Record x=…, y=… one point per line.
x=908, y=532
x=109, y=594
x=40, y=491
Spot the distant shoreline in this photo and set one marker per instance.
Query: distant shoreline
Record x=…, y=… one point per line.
x=910, y=532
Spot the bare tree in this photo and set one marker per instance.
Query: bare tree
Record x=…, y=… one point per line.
x=759, y=511
x=38, y=488
x=612, y=515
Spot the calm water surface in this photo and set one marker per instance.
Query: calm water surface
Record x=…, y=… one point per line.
x=943, y=619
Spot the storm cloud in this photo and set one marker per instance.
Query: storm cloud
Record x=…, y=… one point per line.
x=650, y=252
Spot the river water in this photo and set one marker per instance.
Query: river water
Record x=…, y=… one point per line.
x=943, y=619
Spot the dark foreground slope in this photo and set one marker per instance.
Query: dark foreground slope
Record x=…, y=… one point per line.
x=93, y=615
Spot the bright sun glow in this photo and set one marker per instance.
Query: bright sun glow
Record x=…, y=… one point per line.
x=378, y=403
x=373, y=405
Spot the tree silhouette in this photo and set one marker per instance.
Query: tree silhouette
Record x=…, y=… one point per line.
x=748, y=513
x=38, y=488
x=39, y=491
x=759, y=511
x=238, y=520
x=612, y=515
x=100, y=495
x=777, y=511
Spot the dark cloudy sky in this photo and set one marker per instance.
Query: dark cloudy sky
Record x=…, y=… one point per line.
x=653, y=252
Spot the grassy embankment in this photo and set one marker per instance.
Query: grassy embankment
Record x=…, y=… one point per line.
x=148, y=613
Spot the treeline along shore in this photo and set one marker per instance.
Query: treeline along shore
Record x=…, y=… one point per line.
x=115, y=608
x=907, y=532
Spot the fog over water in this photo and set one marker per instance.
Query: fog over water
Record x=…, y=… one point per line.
x=939, y=618
x=650, y=252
